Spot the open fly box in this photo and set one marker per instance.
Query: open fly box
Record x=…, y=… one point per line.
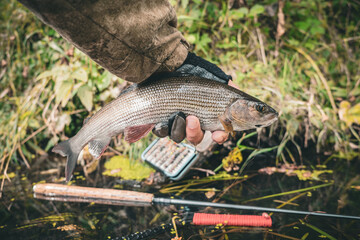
x=172, y=159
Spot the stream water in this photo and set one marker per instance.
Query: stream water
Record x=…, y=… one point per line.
x=24, y=217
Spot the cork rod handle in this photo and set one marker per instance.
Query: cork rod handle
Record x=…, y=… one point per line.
x=62, y=192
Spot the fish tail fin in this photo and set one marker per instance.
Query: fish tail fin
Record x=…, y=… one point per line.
x=65, y=150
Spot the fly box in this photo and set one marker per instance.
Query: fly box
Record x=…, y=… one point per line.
x=172, y=159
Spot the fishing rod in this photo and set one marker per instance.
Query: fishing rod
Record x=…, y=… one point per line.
x=59, y=192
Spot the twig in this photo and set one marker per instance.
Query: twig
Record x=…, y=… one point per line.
x=114, y=150
x=291, y=200
x=283, y=236
x=77, y=111
x=288, y=203
x=23, y=157
x=44, y=113
x=280, y=26
x=351, y=39
x=229, y=187
x=5, y=170
x=356, y=84
x=33, y=134
x=262, y=49
x=208, y=171
x=3, y=161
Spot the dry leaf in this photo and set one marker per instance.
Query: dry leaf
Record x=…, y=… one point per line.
x=281, y=20
x=209, y=194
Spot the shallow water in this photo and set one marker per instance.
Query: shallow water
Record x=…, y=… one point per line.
x=23, y=217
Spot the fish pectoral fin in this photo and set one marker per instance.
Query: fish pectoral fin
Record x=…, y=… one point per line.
x=135, y=133
x=227, y=125
x=98, y=146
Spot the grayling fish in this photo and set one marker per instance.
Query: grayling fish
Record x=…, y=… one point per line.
x=138, y=109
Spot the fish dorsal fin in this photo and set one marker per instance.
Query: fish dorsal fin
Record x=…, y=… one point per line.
x=135, y=133
x=98, y=146
x=128, y=89
x=86, y=120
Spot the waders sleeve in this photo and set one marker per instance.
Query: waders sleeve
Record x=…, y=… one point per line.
x=132, y=39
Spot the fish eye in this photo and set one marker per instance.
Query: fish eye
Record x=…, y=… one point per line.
x=260, y=108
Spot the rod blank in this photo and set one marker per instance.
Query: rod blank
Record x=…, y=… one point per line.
x=167, y=201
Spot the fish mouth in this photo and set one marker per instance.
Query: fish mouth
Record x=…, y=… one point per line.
x=269, y=122
x=273, y=120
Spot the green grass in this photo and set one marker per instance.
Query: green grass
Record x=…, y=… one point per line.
x=47, y=87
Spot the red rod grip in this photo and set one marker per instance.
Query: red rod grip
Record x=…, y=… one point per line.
x=232, y=220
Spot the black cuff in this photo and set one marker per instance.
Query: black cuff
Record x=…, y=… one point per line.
x=194, y=60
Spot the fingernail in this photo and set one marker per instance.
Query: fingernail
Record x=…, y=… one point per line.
x=192, y=123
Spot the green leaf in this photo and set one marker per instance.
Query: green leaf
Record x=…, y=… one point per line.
x=184, y=17
x=319, y=230
x=80, y=74
x=63, y=92
x=86, y=96
x=303, y=25
x=43, y=75
x=245, y=137
x=104, y=81
x=240, y=13
x=253, y=154
x=34, y=123
x=305, y=236
x=256, y=10
x=317, y=29
x=290, y=192
x=191, y=38
x=184, y=3
x=355, y=92
x=339, y=92
x=56, y=47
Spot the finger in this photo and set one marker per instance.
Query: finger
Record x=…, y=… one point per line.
x=161, y=129
x=220, y=136
x=178, y=133
x=194, y=134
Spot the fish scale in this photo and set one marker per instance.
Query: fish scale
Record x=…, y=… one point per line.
x=150, y=103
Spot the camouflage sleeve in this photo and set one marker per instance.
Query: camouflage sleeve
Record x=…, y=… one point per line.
x=131, y=39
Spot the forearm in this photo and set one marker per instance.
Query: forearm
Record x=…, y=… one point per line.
x=131, y=39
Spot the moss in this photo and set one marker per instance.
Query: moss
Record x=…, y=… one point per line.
x=121, y=166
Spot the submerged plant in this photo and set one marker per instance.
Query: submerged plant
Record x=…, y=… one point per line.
x=121, y=166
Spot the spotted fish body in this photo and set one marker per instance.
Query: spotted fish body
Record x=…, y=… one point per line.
x=138, y=109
